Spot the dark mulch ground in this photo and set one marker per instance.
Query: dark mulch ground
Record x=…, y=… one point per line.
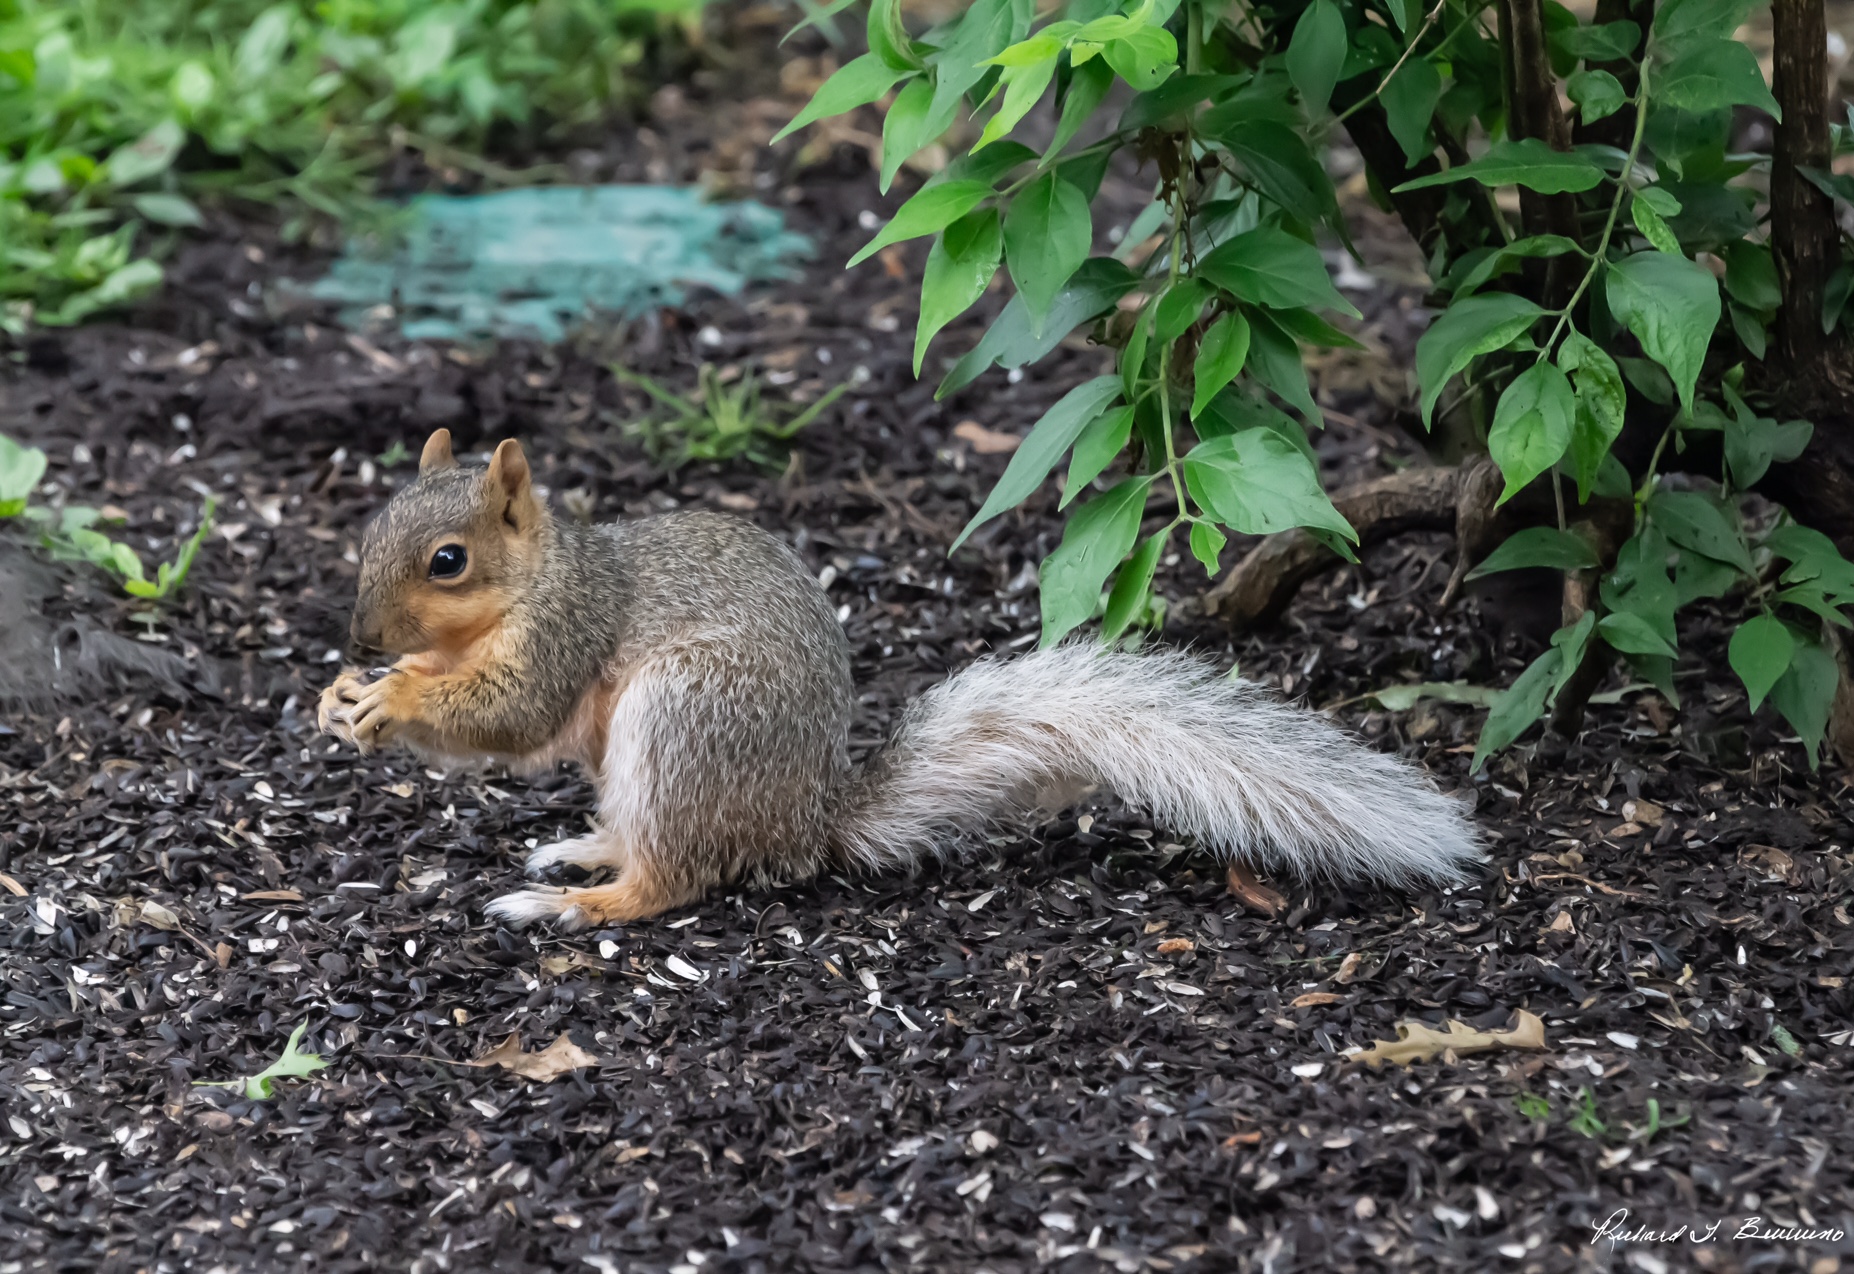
x=1000, y=1064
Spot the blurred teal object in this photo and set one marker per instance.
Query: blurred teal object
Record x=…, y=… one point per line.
x=535, y=262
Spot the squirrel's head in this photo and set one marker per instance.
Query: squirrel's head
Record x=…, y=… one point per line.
x=446, y=558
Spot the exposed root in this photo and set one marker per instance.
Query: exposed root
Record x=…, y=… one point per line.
x=1260, y=586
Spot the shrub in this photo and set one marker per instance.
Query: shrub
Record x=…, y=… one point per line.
x=1600, y=306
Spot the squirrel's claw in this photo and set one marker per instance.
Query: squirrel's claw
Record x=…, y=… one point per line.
x=353, y=709
x=369, y=720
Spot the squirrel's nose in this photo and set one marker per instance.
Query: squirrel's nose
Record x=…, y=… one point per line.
x=365, y=632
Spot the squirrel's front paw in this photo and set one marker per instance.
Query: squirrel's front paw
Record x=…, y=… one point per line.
x=357, y=708
x=379, y=712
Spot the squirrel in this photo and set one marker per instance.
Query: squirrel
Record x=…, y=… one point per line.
x=693, y=665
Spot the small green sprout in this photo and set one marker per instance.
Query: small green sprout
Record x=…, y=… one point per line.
x=1585, y=1118
x=291, y=1065
x=720, y=423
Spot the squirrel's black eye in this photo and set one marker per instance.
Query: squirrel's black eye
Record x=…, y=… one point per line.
x=449, y=561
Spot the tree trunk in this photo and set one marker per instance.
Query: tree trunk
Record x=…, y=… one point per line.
x=1534, y=113
x=1808, y=372
x=1802, y=218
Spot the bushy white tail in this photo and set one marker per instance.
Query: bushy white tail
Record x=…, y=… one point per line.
x=1207, y=756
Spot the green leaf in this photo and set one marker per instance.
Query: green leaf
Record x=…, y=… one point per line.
x=1257, y=482
x=1573, y=640
x=1640, y=584
x=1751, y=276
x=168, y=210
x=962, y=263
x=1402, y=698
x=1097, y=537
x=293, y=1064
x=1606, y=42
x=1316, y=52
x=1655, y=230
x=1532, y=425
x=1172, y=102
x=1047, y=234
x=1267, y=266
x=909, y=126
x=1275, y=362
x=1143, y=58
x=192, y=86
x=1812, y=599
x=1518, y=707
x=859, y=82
x=1760, y=654
x=1598, y=94
x=1465, y=331
x=1680, y=20
x=1103, y=439
x=1672, y=305
x=1749, y=329
x=1805, y=692
x=1409, y=99
x=1529, y=163
x=1539, y=546
x=986, y=166
x=1499, y=261
x=20, y=471
x=888, y=38
x=1023, y=88
x=149, y=156
x=933, y=208
x=1178, y=307
x=1752, y=442
x=1011, y=341
x=1601, y=401
x=124, y=284
x=1039, y=451
x=1661, y=199
x=985, y=29
x=1087, y=89
x=1710, y=75
x=1207, y=541
x=1130, y=587
x=1633, y=635
x=1133, y=357
x=1220, y=357
x=261, y=48
x=1279, y=163
x=1694, y=522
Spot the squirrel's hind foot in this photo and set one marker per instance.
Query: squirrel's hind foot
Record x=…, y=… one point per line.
x=634, y=896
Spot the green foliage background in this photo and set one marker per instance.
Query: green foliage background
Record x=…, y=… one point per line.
x=117, y=116
x=1210, y=404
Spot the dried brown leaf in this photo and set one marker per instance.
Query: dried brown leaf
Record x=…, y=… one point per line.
x=557, y=1059
x=1417, y=1042
x=1312, y=998
x=987, y=442
x=1253, y=893
x=1176, y=946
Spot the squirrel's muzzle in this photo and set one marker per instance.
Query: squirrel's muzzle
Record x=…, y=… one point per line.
x=365, y=630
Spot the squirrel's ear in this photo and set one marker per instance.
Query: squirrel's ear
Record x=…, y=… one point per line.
x=508, y=476
x=437, y=453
